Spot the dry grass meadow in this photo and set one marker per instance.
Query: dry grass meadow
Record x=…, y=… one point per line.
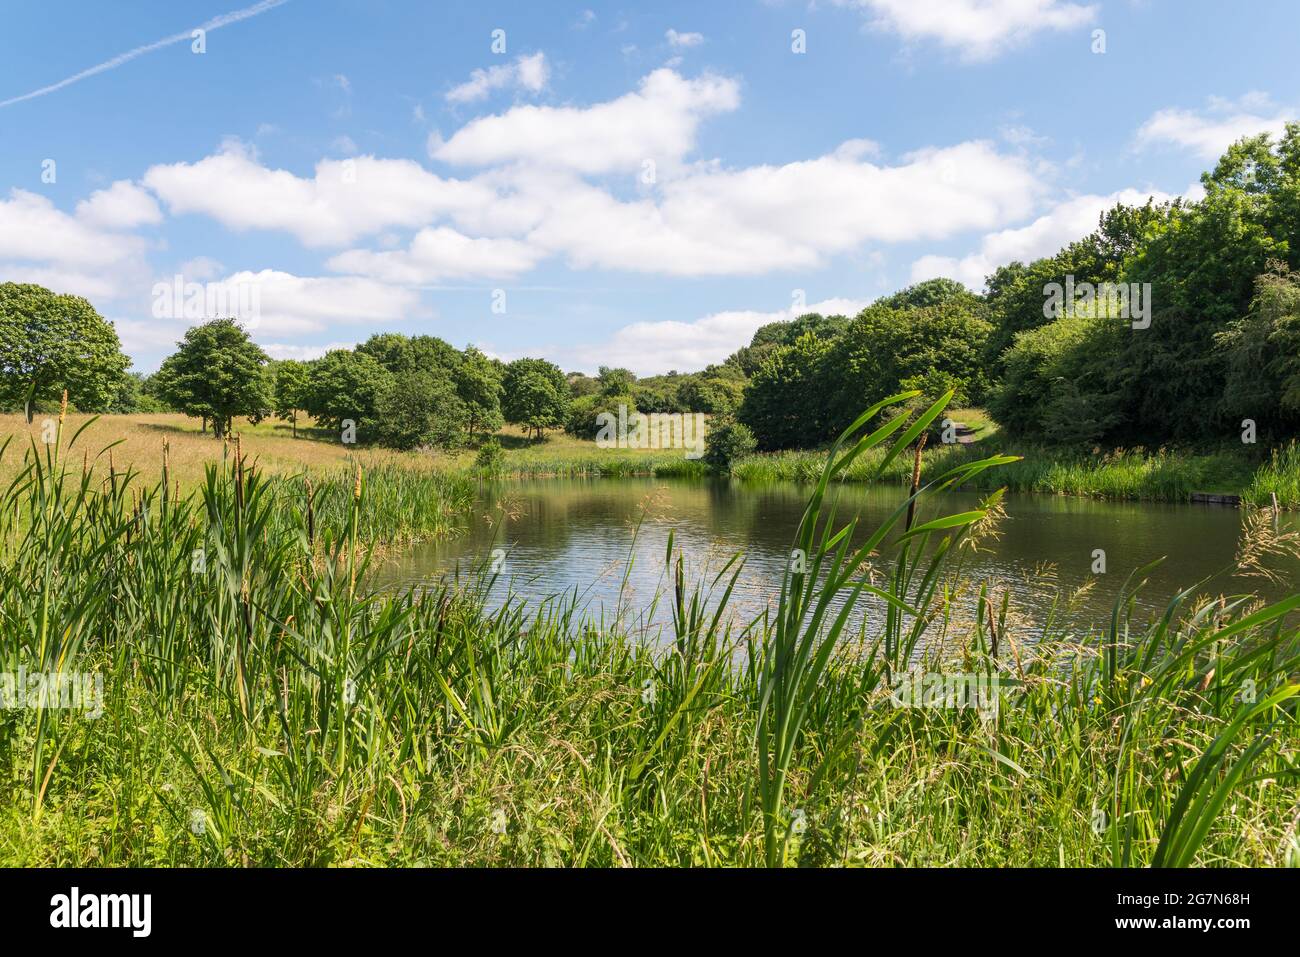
x=139, y=445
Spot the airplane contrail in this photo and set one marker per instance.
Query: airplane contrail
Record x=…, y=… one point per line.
x=214, y=24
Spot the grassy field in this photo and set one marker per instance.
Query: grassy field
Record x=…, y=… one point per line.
x=263, y=707
x=140, y=438
x=1134, y=474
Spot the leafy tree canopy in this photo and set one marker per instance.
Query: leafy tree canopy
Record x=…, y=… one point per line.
x=51, y=342
x=216, y=374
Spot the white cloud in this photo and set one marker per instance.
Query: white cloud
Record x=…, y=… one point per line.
x=40, y=243
x=1067, y=222
x=705, y=220
x=90, y=284
x=652, y=348
x=533, y=72
x=536, y=197
x=657, y=122
x=529, y=73
x=681, y=40
x=122, y=206
x=766, y=218
x=977, y=29
x=1209, y=132
x=33, y=229
x=439, y=253
x=292, y=304
x=346, y=199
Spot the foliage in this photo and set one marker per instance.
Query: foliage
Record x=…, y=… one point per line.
x=1059, y=384
x=889, y=349
x=346, y=385
x=1262, y=351
x=289, y=384
x=478, y=384
x=133, y=397
x=785, y=404
x=615, y=381
x=419, y=409
x=711, y=393
x=725, y=443
x=490, y=458
x=535, y=395
x=1017, y=292
x=50, y=343
x=581, y=418
x=216, y=374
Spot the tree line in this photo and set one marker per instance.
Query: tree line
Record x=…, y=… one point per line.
x=1218, y=346
x=1216, y=356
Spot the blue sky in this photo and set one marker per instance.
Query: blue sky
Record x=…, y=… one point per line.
x=638, y=185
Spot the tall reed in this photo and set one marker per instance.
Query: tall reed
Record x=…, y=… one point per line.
x=264, y=705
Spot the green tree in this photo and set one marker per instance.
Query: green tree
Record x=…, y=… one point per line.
x=581, y=384
x=1262, y=352
x=930, y=293
x=726, y=443
x=1017, y=292
x=398, y=353
x=478, y=384
x=615, y=381
x=1059, y=387
x=346, y=386
x=888, y=349
x=580, y=419
x=785, y=404
x=1202, y=263
x=216, y=374
x=133, y=397
x=490, y=459
x=535, y=395
x=51, y=342
x=289, y=379
x=418, y=409
x=715, y=394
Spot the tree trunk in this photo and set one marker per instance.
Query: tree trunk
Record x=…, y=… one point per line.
x=293, y=417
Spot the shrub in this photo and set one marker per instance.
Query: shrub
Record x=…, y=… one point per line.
x=726, y=444
x=581, y=419
x=490, y=458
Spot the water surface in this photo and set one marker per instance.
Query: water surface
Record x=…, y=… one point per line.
x=577, y=536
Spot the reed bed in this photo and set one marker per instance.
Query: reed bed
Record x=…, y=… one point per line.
x=544, y=464
x=1126, y=474
x=263, y=706
x=1278, y=479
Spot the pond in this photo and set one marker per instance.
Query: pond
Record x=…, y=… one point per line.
x=577, y=536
